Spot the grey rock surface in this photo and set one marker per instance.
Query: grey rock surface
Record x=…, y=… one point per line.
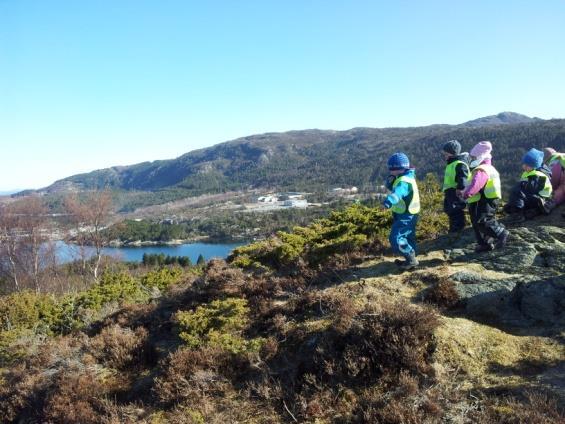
x=529, y=288
x=538, y=250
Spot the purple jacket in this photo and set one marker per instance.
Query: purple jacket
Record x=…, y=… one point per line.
x=556, y=174
x=479, y=180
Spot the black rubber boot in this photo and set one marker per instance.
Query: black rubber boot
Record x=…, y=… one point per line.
x=480, y=248
x=502, y=239
x=548, y=206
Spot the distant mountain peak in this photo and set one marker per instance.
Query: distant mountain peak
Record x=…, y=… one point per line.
x=503, y=118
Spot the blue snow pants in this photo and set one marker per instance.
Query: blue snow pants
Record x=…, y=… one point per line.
x=403, y=233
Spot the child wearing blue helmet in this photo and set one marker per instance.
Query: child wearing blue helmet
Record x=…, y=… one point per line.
x=531, y=196
x=404, y=201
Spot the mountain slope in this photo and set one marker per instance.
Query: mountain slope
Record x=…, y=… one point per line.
x=316, y=159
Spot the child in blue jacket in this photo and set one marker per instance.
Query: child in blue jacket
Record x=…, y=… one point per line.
x=404, y=201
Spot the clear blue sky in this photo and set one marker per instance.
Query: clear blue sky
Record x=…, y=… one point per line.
x=92, y=84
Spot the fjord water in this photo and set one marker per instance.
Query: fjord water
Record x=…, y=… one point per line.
x=68, y=252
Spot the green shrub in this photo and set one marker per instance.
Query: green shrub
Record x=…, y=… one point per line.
x=343, y=231
x=113, y=287
x=10, y=347
x=162, y=278
x=43, y=313
x=245, y=261
x=260, y=254
x=76, y=311
x=22, y=316
x=291, y=245
x=28, y=310
x=218, y=324
x=27, y=313
x=19, y=310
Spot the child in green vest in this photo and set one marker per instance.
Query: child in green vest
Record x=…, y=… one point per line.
x=483, y=195
x=531, y=196
x=404, y=201
x=456, y=177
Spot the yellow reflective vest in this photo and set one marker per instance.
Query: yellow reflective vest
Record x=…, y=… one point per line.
x=547, y=189
x=557, y=157
x=450, y=174
x=492, y=189
x=413, y=206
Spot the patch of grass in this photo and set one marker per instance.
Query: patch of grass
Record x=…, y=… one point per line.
x=479, y=351
x=531, y=407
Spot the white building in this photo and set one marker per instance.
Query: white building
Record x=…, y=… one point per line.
x=296, y=203
x=340, y=191
x=267, y=199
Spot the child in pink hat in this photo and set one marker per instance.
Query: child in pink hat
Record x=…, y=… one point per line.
x=483, y=197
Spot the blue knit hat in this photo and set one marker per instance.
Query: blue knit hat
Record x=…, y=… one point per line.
x=533, y=158
x=398, y=161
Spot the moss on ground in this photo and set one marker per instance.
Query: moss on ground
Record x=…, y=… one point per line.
x=483, y=353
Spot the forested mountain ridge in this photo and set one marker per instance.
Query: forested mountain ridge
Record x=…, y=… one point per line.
x=501, y=119
x=316, y=159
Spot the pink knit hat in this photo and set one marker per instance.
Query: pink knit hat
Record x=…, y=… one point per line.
x=482, y=150
x=548, y=152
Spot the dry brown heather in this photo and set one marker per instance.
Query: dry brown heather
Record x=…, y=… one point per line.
x=339, y=343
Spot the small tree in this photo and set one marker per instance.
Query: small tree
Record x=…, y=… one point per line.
x=9, y=244
x=90, y=216
x=201, y=261
x=23, y=234
x=185, y=261
x=33, y=214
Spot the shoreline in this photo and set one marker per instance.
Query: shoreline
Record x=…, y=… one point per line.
x=169, y=243
x=176, y=242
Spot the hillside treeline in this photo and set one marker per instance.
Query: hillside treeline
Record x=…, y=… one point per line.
x=315, y=160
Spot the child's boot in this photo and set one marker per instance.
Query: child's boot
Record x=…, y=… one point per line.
x=409, y=263
x=502, y=239
x=486, y=247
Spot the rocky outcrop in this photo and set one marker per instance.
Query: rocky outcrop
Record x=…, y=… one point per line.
x=531, y=249
x=515, y=304
x=521, y=286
